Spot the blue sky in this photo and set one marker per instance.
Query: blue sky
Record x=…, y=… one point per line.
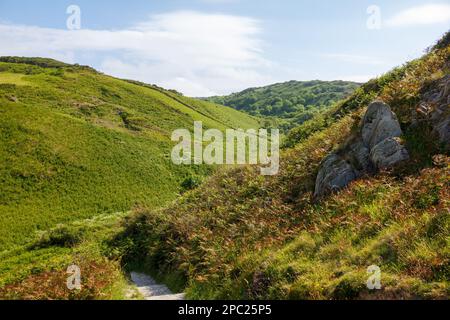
x=207, y=47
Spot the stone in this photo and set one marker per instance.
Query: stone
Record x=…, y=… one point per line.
x=335, y=173
x=379, y=123
x=439, y=98
x=442, y=128
x=388, y=153
x=360, y=155
x=377, y=146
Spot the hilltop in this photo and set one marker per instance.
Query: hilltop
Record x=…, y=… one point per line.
x=289, y=103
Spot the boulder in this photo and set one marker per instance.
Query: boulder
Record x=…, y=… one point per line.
x=379, y=123
x=360, y=156
x=438, y=101
x=335, y=174
x=377, y=146
x=442, y=128
x=388, y=153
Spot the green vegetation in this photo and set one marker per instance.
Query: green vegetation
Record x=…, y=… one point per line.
x=37, y=270
x=242, y=235
x=75, y=143
x=291, y=103
x=78, y=146
x=401, y=88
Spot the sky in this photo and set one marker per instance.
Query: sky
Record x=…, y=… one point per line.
x=215, y=47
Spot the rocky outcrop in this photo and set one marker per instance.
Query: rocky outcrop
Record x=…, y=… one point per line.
x=388, y=153
x=379, y=123
x=335, y=174
x=377, y=146
x=434, y=108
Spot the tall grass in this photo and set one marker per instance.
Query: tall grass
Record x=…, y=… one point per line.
x=241, y=235
x=75, y=143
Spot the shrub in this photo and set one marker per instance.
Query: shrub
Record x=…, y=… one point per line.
x=60, y=236
x=191, y=183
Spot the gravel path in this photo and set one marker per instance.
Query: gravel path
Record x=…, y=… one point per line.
x=150, y=290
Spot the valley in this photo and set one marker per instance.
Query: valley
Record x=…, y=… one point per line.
x=87, y=179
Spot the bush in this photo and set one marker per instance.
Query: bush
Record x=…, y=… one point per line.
x=191, y=183
x=61, y=236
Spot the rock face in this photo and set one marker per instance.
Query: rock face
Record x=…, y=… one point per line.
x=335, y=174
x=435, y=107
x=388, y=153
x=379, y=123
x=376, y=147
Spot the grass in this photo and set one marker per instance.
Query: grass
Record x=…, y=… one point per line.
x=13, y=78
x=263, y=244
x=233, y=235
x=37, y=269
x=244, y=236
x=76, y=143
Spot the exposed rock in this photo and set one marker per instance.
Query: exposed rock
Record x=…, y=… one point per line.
x=388, y=153
x=335, y=174
x=377, y=147
x=361, y=156
x=437, y=102
x=12, y=98
x=379, y=123
x=442, y=128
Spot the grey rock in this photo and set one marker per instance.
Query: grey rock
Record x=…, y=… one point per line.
x=437, y=100
x=379, y=123
x=376, y=147
x=335, y=173
x=360, y=155
x=388, y=153
x=440, y=116
x=442, y=128
x=437, y=113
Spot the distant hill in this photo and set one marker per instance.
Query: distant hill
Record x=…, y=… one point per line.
x=294, y=102
x=75, y=143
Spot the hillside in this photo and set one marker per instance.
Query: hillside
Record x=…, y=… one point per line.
x=75, y=143
x=242, y=235
x=293, y=102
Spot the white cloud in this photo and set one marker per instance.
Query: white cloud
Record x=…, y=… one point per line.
x=421, y=15
x=196, y=53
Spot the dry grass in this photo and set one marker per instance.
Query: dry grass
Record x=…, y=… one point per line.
x=98, y=281
x=241, y=235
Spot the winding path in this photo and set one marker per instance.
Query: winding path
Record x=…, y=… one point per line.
x=151, y=290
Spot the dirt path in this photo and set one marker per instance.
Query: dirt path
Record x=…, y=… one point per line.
x=150, y=290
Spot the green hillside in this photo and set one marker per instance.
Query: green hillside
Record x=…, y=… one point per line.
x=293, y=102
x=75, y=143
x=245, y=236
x=94, y=146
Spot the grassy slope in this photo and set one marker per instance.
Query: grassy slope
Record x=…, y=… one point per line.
x=242, y=235
x=292, y=103
x=75, y=143
x=37, y=270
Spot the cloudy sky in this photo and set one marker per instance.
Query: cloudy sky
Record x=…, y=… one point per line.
x=209, y=47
